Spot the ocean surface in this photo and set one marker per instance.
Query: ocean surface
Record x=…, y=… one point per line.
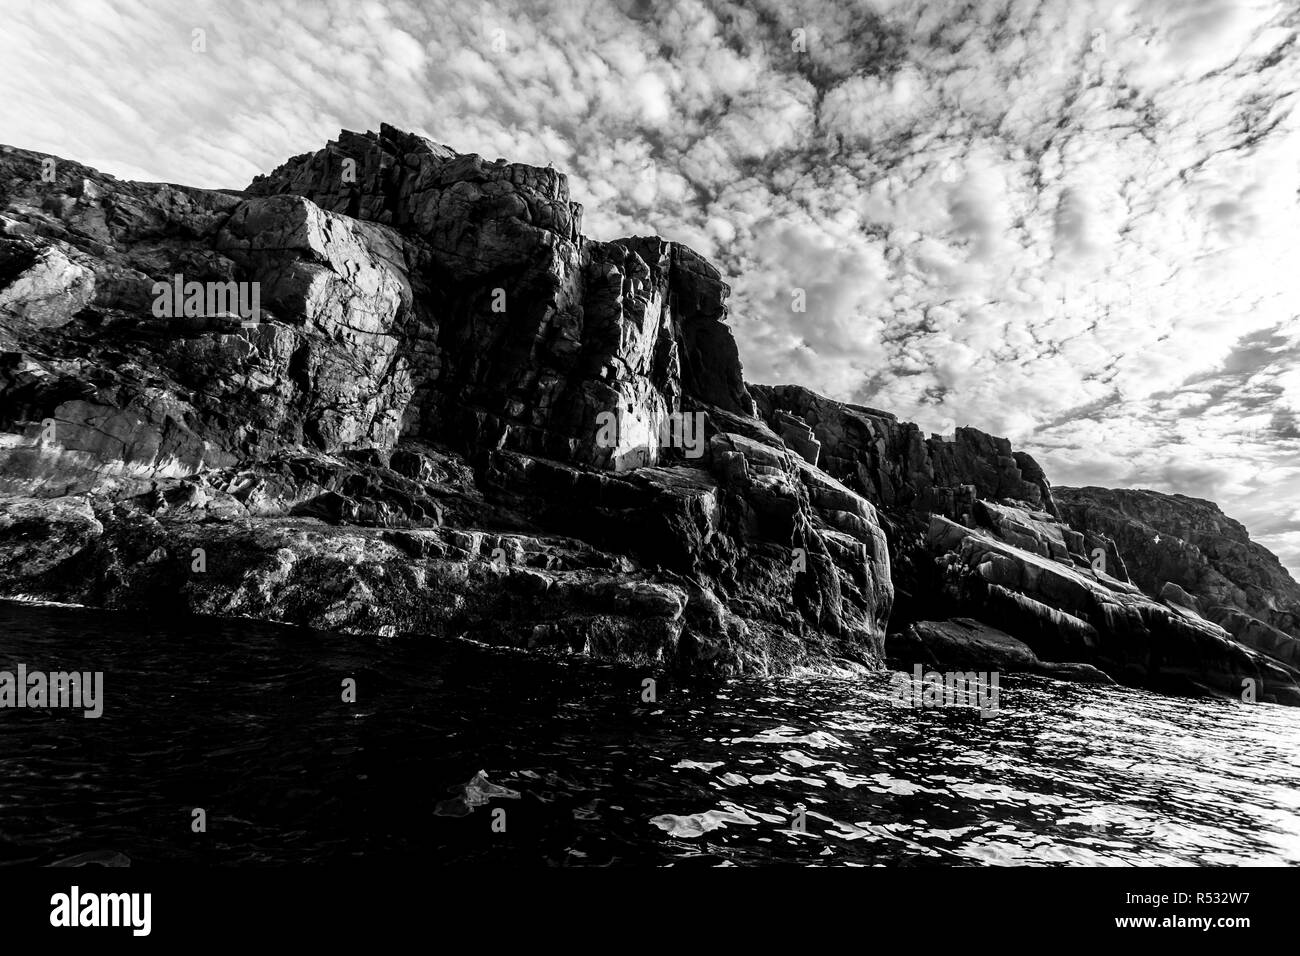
x=247, y=722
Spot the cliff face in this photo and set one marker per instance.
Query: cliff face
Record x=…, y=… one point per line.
x=448, y=418
x=520, y=332
x=976, y=532
x=1189, y=550
x=448, y=413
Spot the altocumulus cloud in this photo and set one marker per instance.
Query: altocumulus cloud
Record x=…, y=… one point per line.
x=1069, y=222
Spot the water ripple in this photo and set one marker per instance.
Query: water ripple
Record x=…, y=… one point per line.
x=247, y=721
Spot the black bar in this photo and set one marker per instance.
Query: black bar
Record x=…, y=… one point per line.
x=334, y=904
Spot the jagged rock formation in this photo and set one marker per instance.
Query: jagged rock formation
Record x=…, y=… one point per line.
x=1190, y=551
x=449, y=413
x=526, y=331
x=899, y=466
x=975, y=530
x=1189, y=542
x=446, y=419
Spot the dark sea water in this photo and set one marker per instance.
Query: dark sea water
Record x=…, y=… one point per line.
x=246, y=721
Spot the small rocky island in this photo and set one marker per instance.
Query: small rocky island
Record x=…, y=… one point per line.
x=442, y=411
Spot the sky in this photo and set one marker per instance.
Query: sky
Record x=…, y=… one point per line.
x=1069, y=222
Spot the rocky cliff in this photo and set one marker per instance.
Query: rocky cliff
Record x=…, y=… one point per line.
x=389, y=388
x=1187, y=550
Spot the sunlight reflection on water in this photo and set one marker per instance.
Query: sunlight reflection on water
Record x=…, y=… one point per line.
x=246, y=721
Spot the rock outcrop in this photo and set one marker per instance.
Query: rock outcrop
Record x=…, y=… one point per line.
x=391, y=389
x=1190, y=543
x=1066, y=613
x=976, y=531
x=966, y=644
x=451, y=414
x=1190, y=552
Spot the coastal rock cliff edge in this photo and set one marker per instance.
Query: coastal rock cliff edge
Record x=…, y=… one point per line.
x=390, y=389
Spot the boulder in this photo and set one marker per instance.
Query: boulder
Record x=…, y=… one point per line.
x=966, y=644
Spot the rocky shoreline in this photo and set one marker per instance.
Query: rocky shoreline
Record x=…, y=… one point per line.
x=448, y=418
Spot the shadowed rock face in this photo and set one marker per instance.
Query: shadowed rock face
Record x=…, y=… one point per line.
x=902, y=468
x=453, y=415
x=975, y=531
x=963, y=643
x=1071, y=614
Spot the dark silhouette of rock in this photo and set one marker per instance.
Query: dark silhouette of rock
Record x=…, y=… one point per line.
x=966, y=644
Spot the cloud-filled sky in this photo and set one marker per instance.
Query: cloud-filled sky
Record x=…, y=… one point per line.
x=1070, y=222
